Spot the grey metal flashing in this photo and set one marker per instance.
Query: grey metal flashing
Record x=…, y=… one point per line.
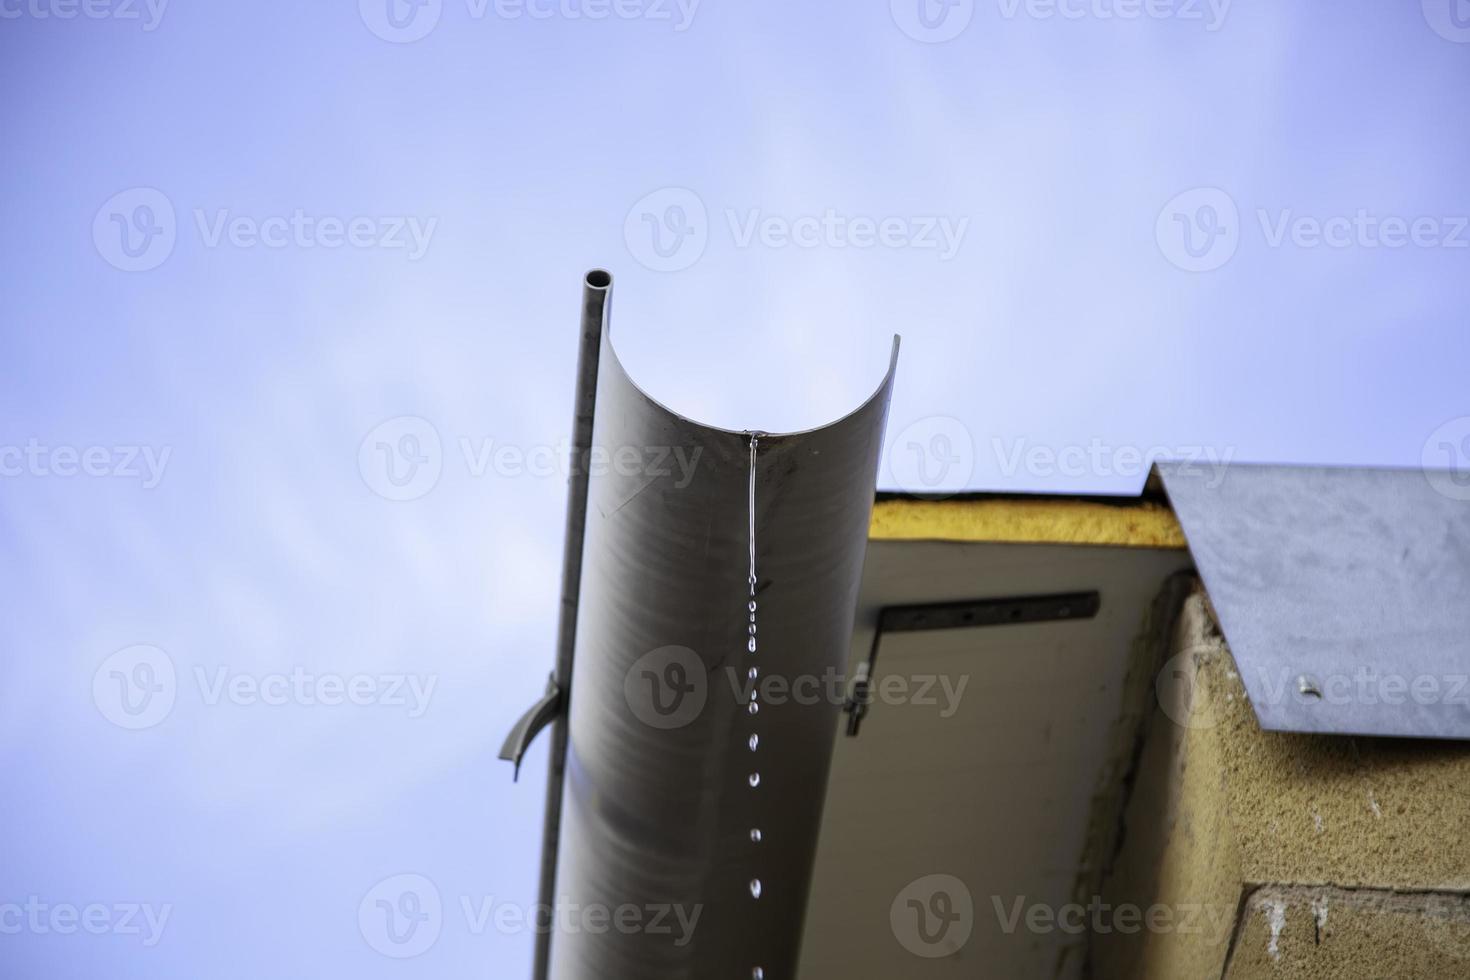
x=658, y=806
x=1344, y=593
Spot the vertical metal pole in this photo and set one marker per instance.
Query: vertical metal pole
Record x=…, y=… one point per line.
x=596, y=290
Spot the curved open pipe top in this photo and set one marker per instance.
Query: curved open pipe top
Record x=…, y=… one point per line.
x=600, y=282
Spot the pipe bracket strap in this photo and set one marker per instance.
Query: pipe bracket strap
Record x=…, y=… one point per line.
x=537, y=717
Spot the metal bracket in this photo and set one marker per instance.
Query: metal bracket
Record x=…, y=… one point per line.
x=537, y=717
x=1013, y=611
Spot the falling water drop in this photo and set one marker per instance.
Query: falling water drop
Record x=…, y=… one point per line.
x=753, y=708
x=756, y=973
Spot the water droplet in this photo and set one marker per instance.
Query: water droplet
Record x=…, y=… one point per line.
x=752, y=629
x=755, y=888
x=754, y=708
x=751, y=605
x=755, y=742
x=752, y=673
x=755, y=835
x=757, y=974
x=755, y=780
x=750, y=645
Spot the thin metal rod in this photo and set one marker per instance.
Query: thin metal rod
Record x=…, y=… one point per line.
x=754, y=440
x=596, y=290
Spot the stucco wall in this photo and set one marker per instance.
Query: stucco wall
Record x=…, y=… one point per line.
x=1263, y=854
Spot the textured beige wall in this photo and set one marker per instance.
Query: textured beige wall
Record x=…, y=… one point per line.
x=1277, y=855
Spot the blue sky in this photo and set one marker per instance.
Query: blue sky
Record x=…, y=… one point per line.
x=240, y=240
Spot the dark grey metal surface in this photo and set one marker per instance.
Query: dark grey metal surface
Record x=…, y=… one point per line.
x=1344, y=593
x=596, y=294
x=658, y=810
